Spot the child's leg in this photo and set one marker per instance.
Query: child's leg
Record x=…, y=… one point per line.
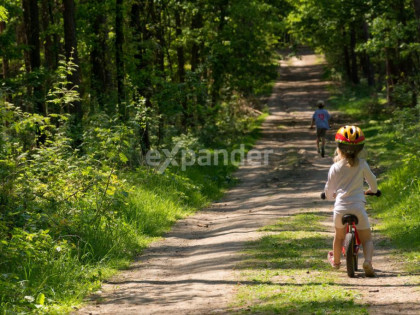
x=367, y=243
x=340, y=234
x=323, y=147
x=366, y=238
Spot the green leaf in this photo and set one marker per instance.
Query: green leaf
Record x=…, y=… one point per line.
x=3, y=14
x=40, y=299
x=123, y=158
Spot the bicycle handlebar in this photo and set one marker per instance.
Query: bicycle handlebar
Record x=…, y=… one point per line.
x=377, y=194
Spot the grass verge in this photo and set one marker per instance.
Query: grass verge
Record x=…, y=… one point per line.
x=285, y=272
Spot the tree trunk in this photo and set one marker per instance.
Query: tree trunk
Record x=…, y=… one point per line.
x=31, y=22
x=389, y=77
x=35, y=56
x=5, y=61
x=48, y=43
x=119, y=41
x=347, y=61
x=186, y=119
x=25, y=38
x=346, y=55
x=56, y=38
x=100, y=77
x=217, y=68
x=33, y=35
x=70, y=46
x=367, y=65
x=142, y=34
x=51, y=40
x=180, y=48
x=156, y=16
x=5, y=64
x=197, y=23
x=353, y=57
x=416, y=4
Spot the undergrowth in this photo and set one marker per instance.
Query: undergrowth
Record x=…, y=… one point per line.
x=69, y=220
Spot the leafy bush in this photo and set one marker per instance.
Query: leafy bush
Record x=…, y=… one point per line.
x=69, y=214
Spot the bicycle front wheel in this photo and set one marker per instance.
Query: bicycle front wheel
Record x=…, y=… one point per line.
x=350, y=258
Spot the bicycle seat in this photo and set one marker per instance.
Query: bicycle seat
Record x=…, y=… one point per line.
x=349, y=218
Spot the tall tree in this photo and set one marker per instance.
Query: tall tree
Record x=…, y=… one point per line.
x=31, y=21
x=5, y=62
x=50, y=40
x=100, y=76
x=142, y=35
x=70, y=46
x=186, y=119
x=353, y=56
x=119, y=58
x=32, y=32
x=196, y=24
x=346, y=55
x=416, y=4
x=219, y=62
x=366, y=63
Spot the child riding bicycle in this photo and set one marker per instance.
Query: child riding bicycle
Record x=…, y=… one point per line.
x=321, y=119
x=345, y=185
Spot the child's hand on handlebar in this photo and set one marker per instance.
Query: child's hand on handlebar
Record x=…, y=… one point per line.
x=371, y=193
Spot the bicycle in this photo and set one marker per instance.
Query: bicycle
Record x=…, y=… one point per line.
x=352, y=243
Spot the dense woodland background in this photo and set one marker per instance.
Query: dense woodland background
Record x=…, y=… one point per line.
x=89, y=86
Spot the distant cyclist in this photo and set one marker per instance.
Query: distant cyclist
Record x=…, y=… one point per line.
x=321, y=118
x=345, y=185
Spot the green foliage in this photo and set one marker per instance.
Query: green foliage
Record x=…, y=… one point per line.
x=63, y=93
x=3, y=14
x=70, y=216
x=373, y=41
x=357, y=103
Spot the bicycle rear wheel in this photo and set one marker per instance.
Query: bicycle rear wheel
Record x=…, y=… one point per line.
x=356, y=262
x=350, y=257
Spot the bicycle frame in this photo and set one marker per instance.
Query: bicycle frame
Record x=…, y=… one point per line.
x=349, y=229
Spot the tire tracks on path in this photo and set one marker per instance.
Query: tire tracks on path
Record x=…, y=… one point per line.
x=192, y=270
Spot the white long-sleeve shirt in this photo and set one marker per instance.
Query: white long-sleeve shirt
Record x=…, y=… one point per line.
x=345, y=184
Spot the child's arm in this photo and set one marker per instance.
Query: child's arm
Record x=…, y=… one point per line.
x=330, y=186
x=313, y=120
x=370, y=178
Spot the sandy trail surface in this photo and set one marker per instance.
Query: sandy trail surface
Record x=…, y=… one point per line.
x=192, y=270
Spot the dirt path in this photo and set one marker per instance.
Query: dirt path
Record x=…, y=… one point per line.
x=192, y=271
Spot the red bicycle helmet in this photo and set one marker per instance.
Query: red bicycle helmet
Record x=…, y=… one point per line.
x=350, y=139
